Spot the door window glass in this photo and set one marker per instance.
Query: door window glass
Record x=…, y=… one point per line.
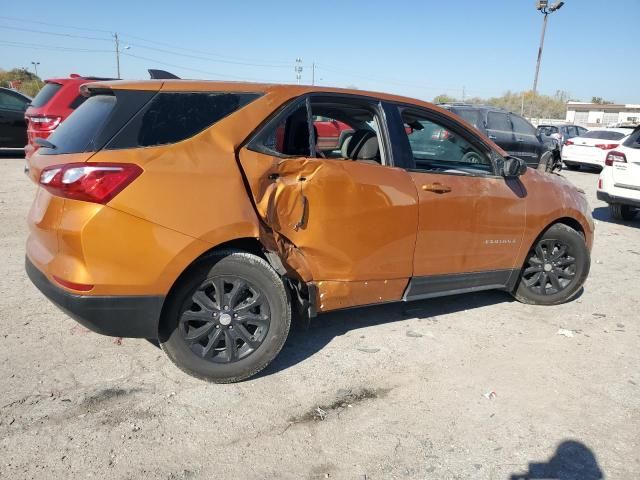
x=522, y=127
x=498, y=121
x=288, y=136
x=436, y=148
x=11, y=102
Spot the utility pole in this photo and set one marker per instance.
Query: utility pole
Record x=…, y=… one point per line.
x=115, y=36
x=463, y=94
x=543, y=7
x=313, y=73
x=298, y=69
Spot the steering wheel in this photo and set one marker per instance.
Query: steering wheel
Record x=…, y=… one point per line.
x=472, y=157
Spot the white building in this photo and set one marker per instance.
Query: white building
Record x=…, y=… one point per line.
x=599, y=115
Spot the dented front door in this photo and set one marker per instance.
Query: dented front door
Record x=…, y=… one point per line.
x=348, y=226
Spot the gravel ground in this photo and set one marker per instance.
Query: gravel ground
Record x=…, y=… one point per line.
x=469, y=387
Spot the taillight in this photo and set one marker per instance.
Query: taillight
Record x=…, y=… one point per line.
x=89, y=182
x=568, y=142
x=599, y=184
x=607, y=146
x=44, y=124
x=615, y=157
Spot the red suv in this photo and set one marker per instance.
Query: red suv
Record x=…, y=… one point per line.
x=55, y=102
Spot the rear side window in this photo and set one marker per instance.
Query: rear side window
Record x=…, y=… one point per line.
x=634, y=139
x=604, y=135
x=172, y=117
x=547, y=130
x=46, y=94
x=498, y=121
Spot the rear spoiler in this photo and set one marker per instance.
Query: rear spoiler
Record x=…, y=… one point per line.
x=161, y=75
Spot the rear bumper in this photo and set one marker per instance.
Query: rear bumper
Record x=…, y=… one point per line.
x=605, y=197
x=116, y=316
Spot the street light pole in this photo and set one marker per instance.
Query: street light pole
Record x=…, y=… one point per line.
x=35, y=67
x=546, y=10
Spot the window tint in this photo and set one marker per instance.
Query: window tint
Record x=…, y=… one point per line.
x=9, y=101
x=521, y=126
x=469, y=115
x=46, y=94
x=582, y=131
x=634, y=139
x=498, y=121
x=604, y=135
x=79, y=100
x=547, y=130
x=572, y=132
x=287, y=136
x=78, y=131
x=172, y=117
x=436, y=148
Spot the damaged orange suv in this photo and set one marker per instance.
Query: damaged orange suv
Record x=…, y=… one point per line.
x=203, y=214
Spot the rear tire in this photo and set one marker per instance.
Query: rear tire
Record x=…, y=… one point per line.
x=622, y=212
x=228, y=320
x=556, y=267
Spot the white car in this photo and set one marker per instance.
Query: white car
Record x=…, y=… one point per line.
x=591, y=148
x=619, y=182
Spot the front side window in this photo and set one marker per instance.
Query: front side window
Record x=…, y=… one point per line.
x=436, y=148
x=522, y=127
x=498, y=121
x=11, y=102
x=469, y=115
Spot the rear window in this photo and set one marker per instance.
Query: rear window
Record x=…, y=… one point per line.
x=172, y=117
x=604, y=135
x=46, y=94
x=469, y=115
x=547, y=130
x=81, y=128
x=634, y=139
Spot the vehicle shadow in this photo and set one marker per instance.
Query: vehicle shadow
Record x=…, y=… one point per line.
x=602, y=214
x=572, y=460
x=305, y=340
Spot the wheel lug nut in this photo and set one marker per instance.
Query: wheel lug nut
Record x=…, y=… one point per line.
x=217, y=326
x=226, y=307
x=235, y=315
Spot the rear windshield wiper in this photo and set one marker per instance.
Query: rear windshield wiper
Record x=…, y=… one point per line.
x=43, y=142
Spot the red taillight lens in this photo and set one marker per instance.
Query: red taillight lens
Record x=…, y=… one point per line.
x=568, y=142
x=607, y=146
x=89, y=182
x=599, y=184
x=44, y=124
x=615, y=157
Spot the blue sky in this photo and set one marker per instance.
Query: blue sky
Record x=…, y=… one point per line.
x=419, y=49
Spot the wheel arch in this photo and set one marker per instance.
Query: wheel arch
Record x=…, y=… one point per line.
x=244, y=244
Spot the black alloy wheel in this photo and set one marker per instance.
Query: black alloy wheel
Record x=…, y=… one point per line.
x=226, y=319
x=550, y=268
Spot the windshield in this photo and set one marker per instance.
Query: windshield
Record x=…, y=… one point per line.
x=469, y=115
x=78, y=131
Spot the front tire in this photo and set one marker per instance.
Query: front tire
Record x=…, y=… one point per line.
x=556, y=268
x=228, y=320
x=622, y=212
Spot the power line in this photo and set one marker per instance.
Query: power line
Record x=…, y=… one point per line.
x=68, y=35
x=30, y=21
x=36, y=46
x=209, y=59
x=214, y=74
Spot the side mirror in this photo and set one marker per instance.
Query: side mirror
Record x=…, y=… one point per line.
x=513, y=167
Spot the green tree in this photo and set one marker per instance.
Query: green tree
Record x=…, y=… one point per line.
x=27, y=82
x=600, y=101
x=443, y=98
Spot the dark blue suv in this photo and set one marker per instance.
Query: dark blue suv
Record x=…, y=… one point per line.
x=511, y=132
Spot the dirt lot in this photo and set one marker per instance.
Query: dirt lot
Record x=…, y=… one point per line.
x=371, y=393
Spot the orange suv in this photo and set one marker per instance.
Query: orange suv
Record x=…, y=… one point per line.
x=203, y=214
